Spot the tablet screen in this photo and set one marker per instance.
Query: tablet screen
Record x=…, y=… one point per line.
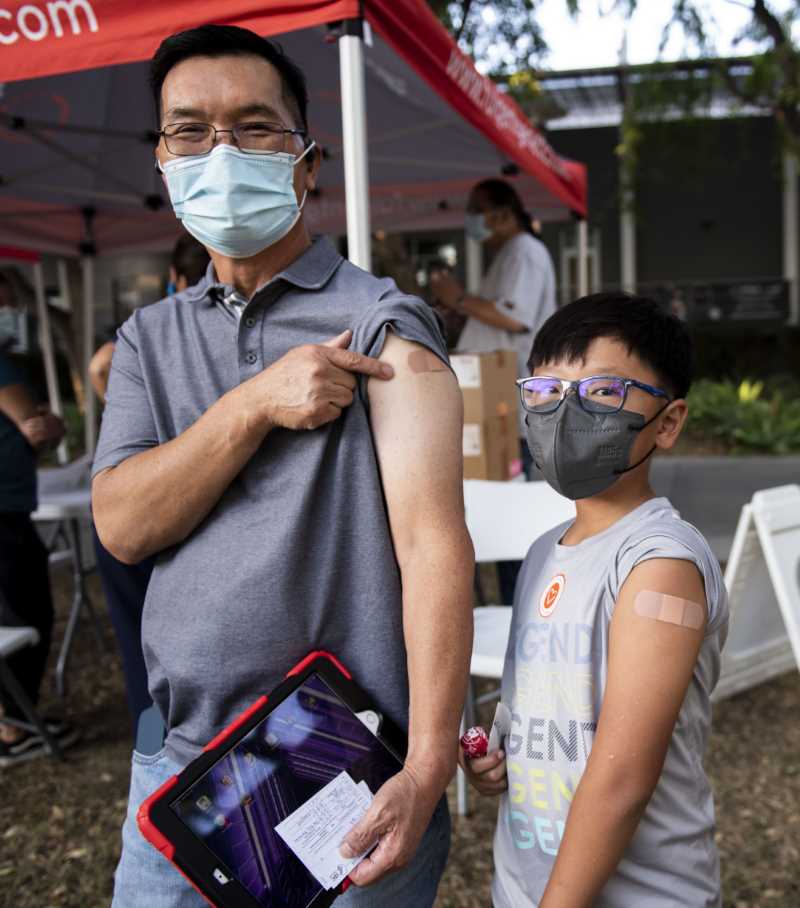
x=304, y=743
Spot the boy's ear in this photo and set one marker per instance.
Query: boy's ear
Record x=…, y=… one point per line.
x=671, y=423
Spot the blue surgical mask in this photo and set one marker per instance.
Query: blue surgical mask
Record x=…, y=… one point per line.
x=475, y=227
x=235, y=202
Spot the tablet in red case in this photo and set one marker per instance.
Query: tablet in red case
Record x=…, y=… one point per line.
x=215, y=821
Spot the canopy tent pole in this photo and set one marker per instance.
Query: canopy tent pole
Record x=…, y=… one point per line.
x=46, y=343
x=583, y=257
x=473, y=253
x=791, y=265
x=354, y=142
x=90, y=401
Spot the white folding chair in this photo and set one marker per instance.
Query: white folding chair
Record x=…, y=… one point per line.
x=13, y=639
x=503, y=518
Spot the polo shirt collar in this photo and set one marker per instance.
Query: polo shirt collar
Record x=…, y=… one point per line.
x=310, y=271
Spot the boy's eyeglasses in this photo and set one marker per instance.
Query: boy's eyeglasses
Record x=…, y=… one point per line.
x=597, y=394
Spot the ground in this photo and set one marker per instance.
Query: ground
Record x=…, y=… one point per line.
x=59, y=824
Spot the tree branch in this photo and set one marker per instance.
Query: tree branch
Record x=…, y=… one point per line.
x=465, y=8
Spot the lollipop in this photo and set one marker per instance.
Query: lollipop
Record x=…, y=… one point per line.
x=475, y=742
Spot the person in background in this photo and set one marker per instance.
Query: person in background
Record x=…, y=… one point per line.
x=188, y=265
x=25, y=598
x=517, y=295
x=125, y=585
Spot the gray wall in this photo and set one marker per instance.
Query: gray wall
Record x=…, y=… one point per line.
x=708, y=199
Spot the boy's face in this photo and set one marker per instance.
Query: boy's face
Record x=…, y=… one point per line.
x=607, y=356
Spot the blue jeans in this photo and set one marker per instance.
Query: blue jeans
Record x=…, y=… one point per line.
x=144, y=876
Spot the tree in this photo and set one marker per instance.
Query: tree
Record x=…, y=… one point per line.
x=503, y=35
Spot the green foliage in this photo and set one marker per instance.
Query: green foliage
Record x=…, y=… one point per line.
x=502, y=34
x=743, y=418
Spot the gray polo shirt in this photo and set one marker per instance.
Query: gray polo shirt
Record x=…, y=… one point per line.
x=297, y=553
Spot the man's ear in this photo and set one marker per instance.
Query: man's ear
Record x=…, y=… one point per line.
x=671, y=423
x=314, y=159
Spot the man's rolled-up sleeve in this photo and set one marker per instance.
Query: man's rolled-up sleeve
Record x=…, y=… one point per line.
x=128, y=425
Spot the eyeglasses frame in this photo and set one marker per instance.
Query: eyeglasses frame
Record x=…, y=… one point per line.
x=162, y=134
x=567, y=386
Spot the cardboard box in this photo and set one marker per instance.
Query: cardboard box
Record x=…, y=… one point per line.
x=491, y=427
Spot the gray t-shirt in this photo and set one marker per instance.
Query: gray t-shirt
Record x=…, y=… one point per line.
x=297, y=554
x=522, y=285
x=553, y=683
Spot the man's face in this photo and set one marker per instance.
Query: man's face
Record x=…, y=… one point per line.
x=225, y=91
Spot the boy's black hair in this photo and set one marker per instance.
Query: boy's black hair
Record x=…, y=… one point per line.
x=227, y=40
x=650, y=332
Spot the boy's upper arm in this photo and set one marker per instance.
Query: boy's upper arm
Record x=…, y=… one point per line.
x=417, y=424
x=655, y=636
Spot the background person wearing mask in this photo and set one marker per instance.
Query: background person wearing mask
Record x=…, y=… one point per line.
x=517, y=295
x=125, y=585
x=25, y=430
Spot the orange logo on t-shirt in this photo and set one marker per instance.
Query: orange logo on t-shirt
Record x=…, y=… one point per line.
x=551, y=595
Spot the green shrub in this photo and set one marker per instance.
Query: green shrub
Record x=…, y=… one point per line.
x=743, y=418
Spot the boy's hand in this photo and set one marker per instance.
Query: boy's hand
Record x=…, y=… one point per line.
x=486, y=774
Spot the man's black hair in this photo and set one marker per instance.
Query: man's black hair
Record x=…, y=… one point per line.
x=647, y=330
x=223, y=41
x=189, y=258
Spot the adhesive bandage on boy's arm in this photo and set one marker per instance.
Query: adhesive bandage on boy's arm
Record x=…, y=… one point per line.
x=672, y=609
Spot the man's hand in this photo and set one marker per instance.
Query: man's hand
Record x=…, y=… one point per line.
x=446, y=288
x=486, y=774
x=44, y=430
x=310, y=385
x=396, y=820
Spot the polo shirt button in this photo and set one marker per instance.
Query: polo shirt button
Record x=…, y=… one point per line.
x=250, y=321
x=250, y=358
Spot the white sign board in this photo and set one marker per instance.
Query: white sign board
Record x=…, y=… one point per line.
x=763, y=581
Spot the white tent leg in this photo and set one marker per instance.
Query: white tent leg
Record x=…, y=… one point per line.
x=46, y=343
x=791, y=268
x=354, y=140
x=627, y=236
x=90, y=414
x=583, y=258
x=473, y=252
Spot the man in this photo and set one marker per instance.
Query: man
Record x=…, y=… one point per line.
x=301, y=495
x=125, y=585
x=25, y=430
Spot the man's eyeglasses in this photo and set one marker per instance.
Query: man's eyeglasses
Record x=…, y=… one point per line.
x=597, y=394
x=199, y=138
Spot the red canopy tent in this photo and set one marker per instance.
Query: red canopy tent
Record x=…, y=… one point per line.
x=74, y=106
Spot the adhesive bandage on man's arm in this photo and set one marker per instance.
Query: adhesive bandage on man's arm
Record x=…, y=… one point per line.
x=671, y=609
x=425, y=361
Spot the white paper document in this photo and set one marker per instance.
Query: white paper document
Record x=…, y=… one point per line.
x=501, y=727
x=316, y=829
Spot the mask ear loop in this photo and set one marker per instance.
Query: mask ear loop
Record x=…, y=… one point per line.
x=640, y=429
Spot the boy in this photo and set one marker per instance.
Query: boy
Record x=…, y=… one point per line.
x=619, y=620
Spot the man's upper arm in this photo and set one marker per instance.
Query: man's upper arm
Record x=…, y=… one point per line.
x=655, y=636
x=128, y=426
x=417, y=424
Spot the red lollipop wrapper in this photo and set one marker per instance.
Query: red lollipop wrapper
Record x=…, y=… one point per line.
x=475, y=742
